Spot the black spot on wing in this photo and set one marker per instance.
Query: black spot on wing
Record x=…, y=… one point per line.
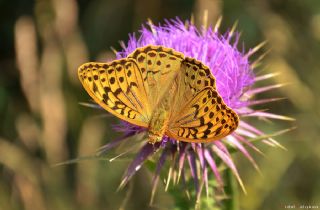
x=218, y=131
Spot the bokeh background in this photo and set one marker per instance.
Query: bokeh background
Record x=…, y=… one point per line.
x=42, y=42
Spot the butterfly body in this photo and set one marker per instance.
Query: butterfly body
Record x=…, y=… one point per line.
x=160, y=89
x=160, y=118
x=158, y=125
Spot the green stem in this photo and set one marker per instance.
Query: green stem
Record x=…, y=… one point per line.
x=231, y=189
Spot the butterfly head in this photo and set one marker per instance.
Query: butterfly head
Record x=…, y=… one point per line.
x=154, y=137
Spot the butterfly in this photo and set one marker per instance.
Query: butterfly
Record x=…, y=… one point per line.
x=160, y=89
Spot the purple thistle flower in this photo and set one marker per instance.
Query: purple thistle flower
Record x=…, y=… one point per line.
x=235, y=79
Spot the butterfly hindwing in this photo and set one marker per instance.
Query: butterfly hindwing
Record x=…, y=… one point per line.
x=204, y=118
x=193, y=77
x=197, y=75
x=117, y=87
x=199, y=113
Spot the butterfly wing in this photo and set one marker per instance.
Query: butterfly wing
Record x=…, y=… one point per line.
x=118, y=88
x=159, y=66
x=131, y=88
x=199, y=113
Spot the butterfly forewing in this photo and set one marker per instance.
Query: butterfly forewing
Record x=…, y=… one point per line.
x=118, y=88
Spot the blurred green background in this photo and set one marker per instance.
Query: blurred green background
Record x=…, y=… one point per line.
x=42, y=43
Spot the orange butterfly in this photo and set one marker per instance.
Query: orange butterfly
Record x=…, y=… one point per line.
x=160, y=89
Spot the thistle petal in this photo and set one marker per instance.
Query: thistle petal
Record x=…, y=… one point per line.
x=223, y=153
x=213, y=166
x=155, y=180
x=193, y=167
x=144, y=153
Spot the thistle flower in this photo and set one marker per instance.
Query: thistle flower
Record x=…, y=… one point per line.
x=234, y=80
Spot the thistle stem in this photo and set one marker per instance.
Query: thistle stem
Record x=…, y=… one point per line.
x=231, y=190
